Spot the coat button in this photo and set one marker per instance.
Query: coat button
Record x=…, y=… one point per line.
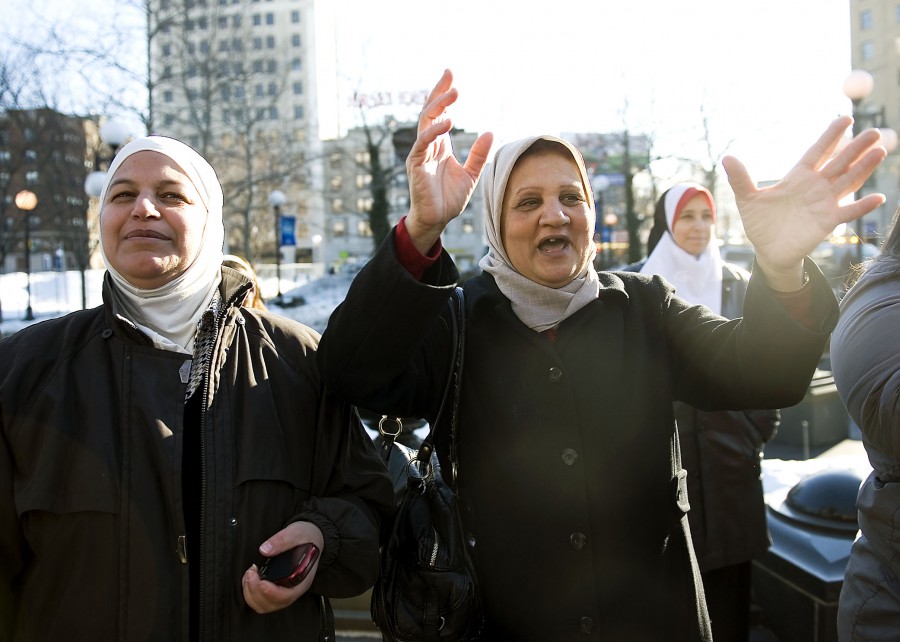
x=569, y=456
x=106, y=334
x=586, y=625
x=578, y=540
x=555, y=375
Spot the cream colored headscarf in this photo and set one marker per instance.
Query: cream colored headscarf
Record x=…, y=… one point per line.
x=169, y=314
x=537, y=306
x=697, y=279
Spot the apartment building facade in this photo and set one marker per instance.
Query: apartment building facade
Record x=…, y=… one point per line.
x=236, y=79
x=875, y=48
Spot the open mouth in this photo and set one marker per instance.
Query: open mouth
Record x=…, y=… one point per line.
x=553, y=244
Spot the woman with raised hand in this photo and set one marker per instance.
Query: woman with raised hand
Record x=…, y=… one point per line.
x=567, y=448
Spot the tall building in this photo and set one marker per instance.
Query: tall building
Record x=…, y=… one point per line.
x=47, y=153
x=236, y=79
x=875, y=48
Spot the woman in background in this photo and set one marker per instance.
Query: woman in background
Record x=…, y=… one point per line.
x=721, y=451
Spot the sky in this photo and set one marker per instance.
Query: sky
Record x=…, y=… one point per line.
x=767, y=73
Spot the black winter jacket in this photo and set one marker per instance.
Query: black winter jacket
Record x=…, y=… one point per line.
x=568, y=451
x=722, y=453
x=91, y=517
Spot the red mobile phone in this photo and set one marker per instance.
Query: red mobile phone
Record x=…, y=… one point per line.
x=290, y=567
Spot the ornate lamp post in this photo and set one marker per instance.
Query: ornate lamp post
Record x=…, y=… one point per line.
x=277, y=199
x=857, y=87
x=26, y=201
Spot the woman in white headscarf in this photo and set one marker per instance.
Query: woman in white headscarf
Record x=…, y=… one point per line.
x=721, y=451
x=157, y=448
x=568, y=453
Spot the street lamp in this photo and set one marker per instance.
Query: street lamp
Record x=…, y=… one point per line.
x=113, y=133
x=857, y=87
x=26, y=201
x=276, y=200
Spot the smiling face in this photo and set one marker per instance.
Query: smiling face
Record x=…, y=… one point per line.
x=547, y=223
x=152, y=220
x=694, y=225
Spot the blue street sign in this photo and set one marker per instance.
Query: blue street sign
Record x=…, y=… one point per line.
x=287, y=230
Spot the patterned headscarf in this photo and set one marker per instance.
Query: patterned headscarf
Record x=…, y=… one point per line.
x=537, y=306
x=170, y=313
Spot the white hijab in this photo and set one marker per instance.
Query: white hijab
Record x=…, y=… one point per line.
x=170, y=313
x=537, y=306
x=697, y=279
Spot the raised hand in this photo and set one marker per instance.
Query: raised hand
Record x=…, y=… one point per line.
x=787, y=220
x=439, y=186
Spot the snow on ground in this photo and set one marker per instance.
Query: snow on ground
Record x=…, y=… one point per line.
x=54, y=294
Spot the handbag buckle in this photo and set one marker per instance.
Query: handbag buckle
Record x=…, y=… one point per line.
x=386, y=433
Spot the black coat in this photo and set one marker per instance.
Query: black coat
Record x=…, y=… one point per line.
x=722, y=453
x=92, y=543
x=568, y=452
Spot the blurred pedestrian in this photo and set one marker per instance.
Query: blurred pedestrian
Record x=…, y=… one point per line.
x=155, y=448
x=865, y=357
x=253, y=298
x=721, y=451
x=568, y=453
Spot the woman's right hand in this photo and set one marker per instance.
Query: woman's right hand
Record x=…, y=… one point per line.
x=439, y=187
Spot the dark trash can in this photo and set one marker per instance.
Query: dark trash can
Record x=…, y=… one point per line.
x=797, y=583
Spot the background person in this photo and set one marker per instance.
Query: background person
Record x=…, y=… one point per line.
x=154, y=447
x=721, y=451
x=568, y=453
x=865, y=358
x=253, y=298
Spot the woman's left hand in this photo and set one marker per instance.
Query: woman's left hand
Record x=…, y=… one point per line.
x=787, y=220
x=265, y=597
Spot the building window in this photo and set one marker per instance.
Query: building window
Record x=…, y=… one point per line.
x=270, y=18
x=467, y=226
x=31, y=177
x=364, y=229
x=273, y=89
x=867, y=49
x=167, y=49
x=257, y=44
x=296, y=65
x=223, y=22
x=338, y=228
x=236, y=20
x=298, y=112
x=337, y=206
x=363, y=158
x=257, y=19
x=298, y=88
x=271, y=66
x=865, y=19
x=295, y=40
x=295, y=16
x=167, y=96
x=364, y=204
x=337, y=182
x=363, y=181
x=270, y=42
x=334, y=160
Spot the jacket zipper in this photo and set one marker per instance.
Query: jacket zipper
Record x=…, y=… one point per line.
x=206, y=376
x=434, y=550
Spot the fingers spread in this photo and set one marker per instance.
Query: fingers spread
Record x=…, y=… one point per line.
x=823, y=148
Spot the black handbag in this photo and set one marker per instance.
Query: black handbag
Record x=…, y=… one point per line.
x=427, y=588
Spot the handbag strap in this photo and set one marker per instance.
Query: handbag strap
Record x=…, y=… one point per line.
x=451, y=387
x=448, y=414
